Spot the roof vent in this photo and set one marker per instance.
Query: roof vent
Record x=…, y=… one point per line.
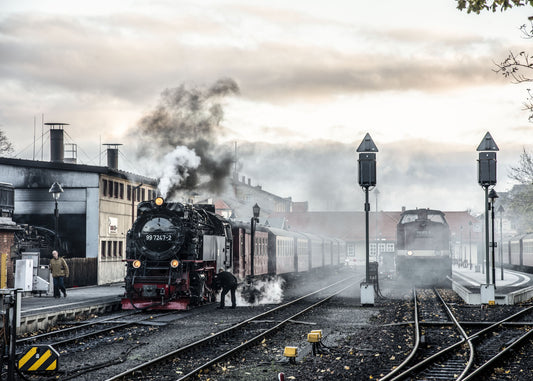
x=57, y=148
x=112, y=155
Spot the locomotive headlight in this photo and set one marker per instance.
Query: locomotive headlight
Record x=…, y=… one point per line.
x=410, y=252
x=159, y=201
x=174, y=263
x=136, y=264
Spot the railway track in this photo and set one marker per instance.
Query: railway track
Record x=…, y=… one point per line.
x=468, y=356
x=190, y=360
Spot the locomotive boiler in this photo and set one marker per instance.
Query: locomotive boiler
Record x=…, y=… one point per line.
x=423, y=247
x=172, y=252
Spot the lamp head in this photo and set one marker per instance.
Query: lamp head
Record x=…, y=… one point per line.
x=256, y=209
x=493, y=196
x=56, y=189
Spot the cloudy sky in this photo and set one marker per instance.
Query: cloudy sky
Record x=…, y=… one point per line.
x=311, y=79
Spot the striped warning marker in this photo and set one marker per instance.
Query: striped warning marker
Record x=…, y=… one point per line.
x=38, y=359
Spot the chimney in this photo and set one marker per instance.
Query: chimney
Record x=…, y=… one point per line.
x=57, y=148
x=112, y=155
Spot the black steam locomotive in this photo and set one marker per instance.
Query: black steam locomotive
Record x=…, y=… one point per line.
x=171, y=252
x=423, y=247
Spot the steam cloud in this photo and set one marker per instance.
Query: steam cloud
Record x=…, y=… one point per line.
x=181, y=132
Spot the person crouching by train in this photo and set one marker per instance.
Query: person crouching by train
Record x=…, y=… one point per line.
x=59, y=270
x=228, y=283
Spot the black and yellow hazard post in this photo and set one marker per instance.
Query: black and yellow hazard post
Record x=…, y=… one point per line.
x=40, y=358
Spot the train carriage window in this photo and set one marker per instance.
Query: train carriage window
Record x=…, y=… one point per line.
x=102, y=249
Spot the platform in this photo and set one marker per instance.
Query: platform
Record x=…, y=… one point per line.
x=40, y=312
x=515, y=287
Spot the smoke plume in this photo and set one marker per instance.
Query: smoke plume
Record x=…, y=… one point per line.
x=184, y=125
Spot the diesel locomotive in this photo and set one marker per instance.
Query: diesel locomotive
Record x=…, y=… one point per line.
x=174, y=250
x=423, y=247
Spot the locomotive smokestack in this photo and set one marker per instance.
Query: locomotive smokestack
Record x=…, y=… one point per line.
x=57, y=148
x=112, y=155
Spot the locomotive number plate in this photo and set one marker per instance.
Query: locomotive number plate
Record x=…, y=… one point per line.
x=159, y=237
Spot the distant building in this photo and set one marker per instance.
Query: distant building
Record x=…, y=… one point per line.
x=96, y=209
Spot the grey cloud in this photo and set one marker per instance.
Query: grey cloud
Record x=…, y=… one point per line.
x=111, y=55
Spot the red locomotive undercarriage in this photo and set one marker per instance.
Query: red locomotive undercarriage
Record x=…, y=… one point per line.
x=190, y=285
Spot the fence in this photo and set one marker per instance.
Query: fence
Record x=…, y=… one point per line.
x=82, y=271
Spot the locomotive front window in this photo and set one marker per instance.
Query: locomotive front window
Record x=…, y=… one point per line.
x=159, y=234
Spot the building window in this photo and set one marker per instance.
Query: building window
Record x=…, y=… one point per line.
x=102, y=249
x=121, y=191
x=120, y=249
x=110, y=189
x=115, y=248
x=143, y=193
x=109, y=248
x=104, y=187
x=128, y=192
x=138, y=195
x=116, y=189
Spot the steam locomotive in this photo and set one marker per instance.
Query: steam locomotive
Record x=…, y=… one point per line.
x=423, y=247
x=174, y=250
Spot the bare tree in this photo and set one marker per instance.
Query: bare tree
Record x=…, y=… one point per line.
x=523, y=173
x=6, y=147
x=520, y=199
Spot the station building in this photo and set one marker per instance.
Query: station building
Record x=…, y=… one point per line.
x=95, y=210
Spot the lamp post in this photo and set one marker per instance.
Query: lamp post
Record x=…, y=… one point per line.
x=255, y=219
x=501, y=210
x=376, y=192
x=461, y=246
x=367, y=178
x=492, y=197
x=487, y=178
x=56, y=189
x=470, y=242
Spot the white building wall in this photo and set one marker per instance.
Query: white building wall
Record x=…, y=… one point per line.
x=91, y=229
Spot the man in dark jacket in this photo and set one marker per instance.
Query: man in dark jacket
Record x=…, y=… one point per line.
x=228, y=282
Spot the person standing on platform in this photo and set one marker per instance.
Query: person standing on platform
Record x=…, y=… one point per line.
x=228, y=282
x=59, y=270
